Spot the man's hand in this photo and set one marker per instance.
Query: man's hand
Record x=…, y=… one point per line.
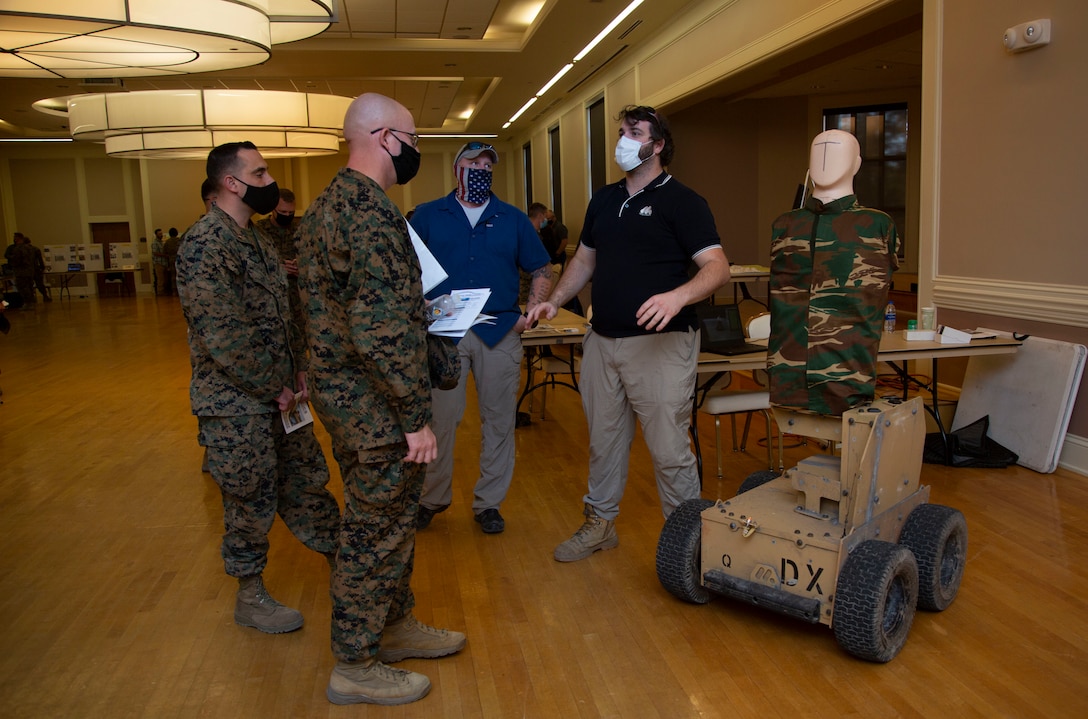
x=287, y=400
x=655, y=313
x=302, y=392
x=545, y=310
x=292, y=267
x=422, y=446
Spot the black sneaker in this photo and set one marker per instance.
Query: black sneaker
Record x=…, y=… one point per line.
x=491, y=521
x=424, y=516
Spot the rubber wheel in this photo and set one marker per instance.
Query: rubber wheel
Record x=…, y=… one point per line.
x=937, y=535
x=757, y=479
x=875, y=600
x=678, y=552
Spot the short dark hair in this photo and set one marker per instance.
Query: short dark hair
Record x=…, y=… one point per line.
x=286, y=195
x=537, y=208
x=208, y=188
x=222, y=160
x=659, y=127
x=173, y=232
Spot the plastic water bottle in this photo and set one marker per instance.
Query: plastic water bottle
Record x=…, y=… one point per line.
x=889, y=317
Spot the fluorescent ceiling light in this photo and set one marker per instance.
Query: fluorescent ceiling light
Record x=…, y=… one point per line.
x=604, y=33
x=558, y=75
x=567, y=68
x=35, y=139
x=115, y=38
x=187, y=124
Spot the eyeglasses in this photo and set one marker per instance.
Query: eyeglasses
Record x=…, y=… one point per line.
x=413, y=137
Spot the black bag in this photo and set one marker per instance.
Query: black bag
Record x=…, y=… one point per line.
x=443, y=362
x=969, y=446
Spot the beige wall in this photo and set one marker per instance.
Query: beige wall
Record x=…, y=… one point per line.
x=1008, y=251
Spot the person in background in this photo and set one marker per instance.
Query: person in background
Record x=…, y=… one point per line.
x=21, y=260
x=209, y=193
x=554, y=234
x=170, y=249
x=281, y=225
x=638, y=240
x=367, y=328
x=159, y=262
x=39, y=271
x=249, y=365
x=481, y=241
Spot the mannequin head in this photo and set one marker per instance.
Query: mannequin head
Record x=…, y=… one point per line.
x=833, y=160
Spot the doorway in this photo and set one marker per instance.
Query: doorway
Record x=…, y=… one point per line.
x=113, y=280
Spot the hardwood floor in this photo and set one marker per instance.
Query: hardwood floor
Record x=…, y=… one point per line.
x=113, y=600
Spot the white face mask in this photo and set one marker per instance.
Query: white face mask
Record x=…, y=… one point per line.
x=627, y=151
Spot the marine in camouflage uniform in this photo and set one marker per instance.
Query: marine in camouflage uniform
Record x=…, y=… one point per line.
x=283, y=239
x=245, y=348
x=366, y=325
x=831, y=268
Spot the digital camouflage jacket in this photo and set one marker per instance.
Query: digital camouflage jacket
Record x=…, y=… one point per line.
x=359, y=278
x=244, y=345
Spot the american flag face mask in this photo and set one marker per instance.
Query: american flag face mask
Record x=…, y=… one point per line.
x=473, y=185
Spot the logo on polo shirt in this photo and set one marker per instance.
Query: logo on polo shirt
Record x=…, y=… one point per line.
x=646, y=211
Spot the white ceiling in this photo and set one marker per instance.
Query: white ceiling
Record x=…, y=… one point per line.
x=468, y=65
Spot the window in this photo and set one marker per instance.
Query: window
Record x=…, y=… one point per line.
x=598, y=149
x=881, y=182
x=556, y=171
x=527, y=161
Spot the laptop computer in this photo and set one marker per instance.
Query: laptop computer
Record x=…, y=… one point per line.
x=722, y=332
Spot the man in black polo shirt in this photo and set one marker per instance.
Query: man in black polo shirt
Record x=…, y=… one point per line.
x=638, y=240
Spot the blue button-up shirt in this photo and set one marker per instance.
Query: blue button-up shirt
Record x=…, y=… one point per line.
x=491, y=255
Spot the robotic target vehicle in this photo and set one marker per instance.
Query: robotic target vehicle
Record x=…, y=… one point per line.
x=848, y=541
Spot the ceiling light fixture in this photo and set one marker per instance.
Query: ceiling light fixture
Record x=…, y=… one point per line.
x=110, y=38
x=577, y=58
x=186, y=124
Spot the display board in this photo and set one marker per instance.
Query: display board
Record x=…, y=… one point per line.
x=57, y=258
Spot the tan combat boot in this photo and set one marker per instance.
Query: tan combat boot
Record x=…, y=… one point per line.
x=255, y=607
x=371, y=682
x=594, y=535
x=408, y=638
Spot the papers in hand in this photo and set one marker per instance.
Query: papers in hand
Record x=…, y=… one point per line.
x=465, y=312
x=432, y=272
x=300, y=416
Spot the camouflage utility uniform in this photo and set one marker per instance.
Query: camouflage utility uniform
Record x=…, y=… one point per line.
x=283, y=239
x=22, y=265
x=831, y=268
x=366, y=324
x=245, y=348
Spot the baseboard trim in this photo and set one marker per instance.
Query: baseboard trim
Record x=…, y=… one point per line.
x=1074, y=456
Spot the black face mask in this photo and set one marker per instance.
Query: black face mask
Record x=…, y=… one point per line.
x=406, y=163
x=284, y=220
x=261, y=200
